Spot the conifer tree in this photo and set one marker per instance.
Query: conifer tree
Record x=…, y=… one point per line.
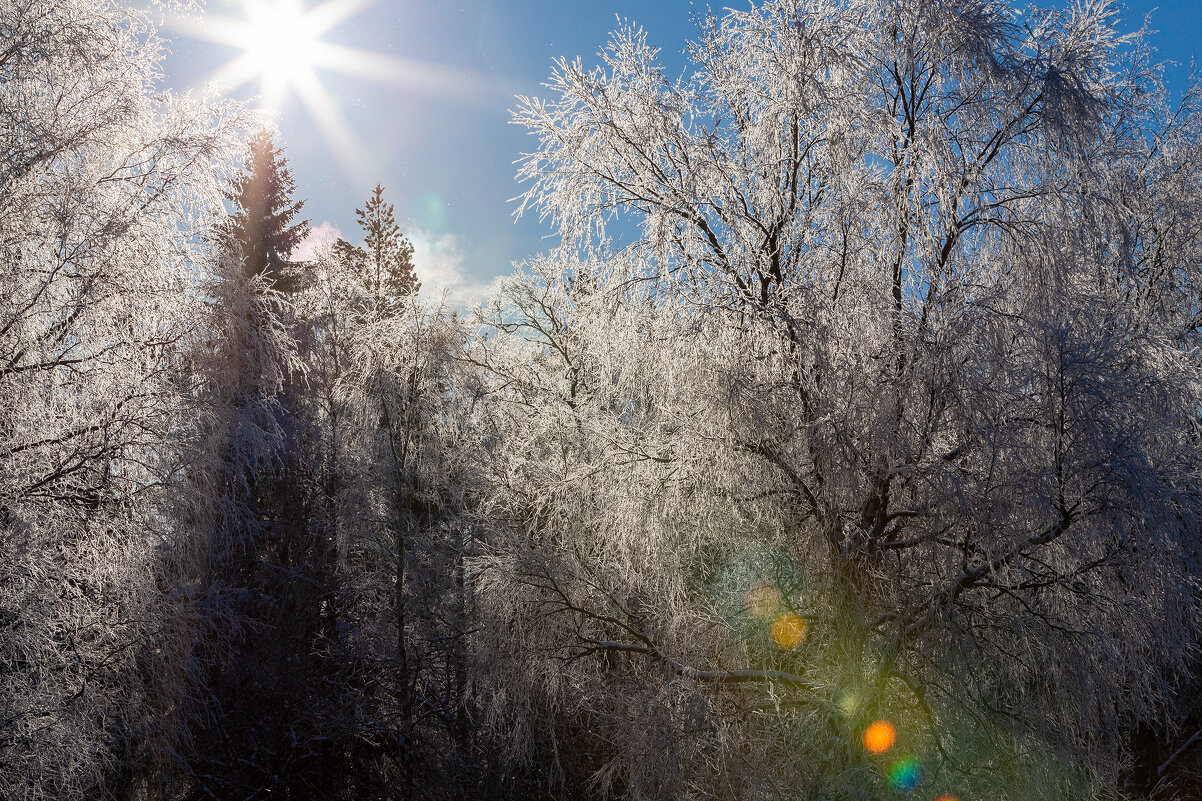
x=385, y=261
x=262, y=225
x=269, y=567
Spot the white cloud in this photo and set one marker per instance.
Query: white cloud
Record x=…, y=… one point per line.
x=439, y=262
x=319, y=235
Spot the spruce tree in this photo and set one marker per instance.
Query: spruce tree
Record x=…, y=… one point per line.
x=262, y=225
x=271, y=563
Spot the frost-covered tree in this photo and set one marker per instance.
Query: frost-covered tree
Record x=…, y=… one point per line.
x=106, y=186
x=256, y=725
x=399, y=462
x=888, y=411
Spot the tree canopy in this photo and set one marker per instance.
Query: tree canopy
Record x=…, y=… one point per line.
x=896, y=342
x=866, y=465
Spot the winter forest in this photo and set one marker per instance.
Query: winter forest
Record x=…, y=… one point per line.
x=866, y=466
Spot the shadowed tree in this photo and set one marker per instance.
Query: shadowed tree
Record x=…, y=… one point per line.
x=270, y=694
x=264, y=225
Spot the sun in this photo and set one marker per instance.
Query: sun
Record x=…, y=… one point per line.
x=280, y=43
x=279, y=51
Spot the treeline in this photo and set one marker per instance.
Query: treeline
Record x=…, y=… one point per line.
x=869, y=469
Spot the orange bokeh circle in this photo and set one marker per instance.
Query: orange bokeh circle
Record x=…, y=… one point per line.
x=879, y=737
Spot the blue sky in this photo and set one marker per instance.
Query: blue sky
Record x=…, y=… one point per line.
x=437, y=136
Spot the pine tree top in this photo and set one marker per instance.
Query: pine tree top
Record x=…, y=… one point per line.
x=385, y=261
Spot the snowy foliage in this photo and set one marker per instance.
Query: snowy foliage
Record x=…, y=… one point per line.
x=863, y=386
x=909, y=326
x=104, y=185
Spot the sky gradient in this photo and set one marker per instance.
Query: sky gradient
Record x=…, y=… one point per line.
x=433, y=127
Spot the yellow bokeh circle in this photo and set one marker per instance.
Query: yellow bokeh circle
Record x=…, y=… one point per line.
x=789, y=631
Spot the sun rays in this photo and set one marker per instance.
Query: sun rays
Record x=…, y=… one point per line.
x=282, y=53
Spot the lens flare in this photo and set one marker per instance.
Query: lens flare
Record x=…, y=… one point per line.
x=947, y=798
x=879, y=737
x=904, y=774
x=789, y=631
x=763, y=600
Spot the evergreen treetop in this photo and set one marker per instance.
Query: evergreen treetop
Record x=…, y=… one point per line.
x=385, y=261
x=263, y=224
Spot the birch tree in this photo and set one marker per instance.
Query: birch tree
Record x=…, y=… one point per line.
x=105, y=183
x=887, y=410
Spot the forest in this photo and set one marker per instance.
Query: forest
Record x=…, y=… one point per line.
x=864, y=464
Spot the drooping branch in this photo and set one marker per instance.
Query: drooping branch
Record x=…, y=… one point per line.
x=740, y=676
